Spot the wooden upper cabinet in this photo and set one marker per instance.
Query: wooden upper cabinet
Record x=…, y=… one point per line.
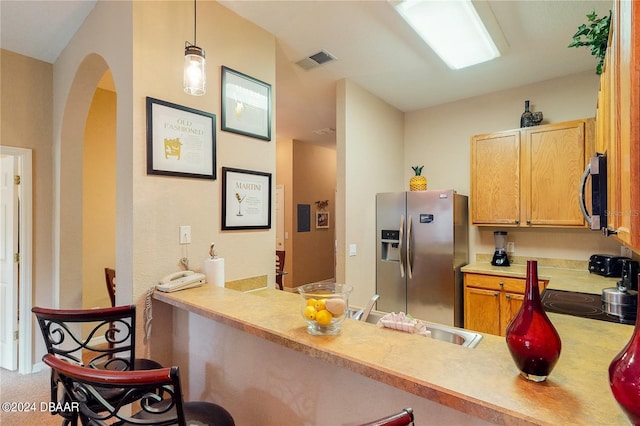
x=555, y=159
x=530, y=176
x=619, y=123
x=495, y=178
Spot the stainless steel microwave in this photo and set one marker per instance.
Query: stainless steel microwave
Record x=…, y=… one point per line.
x=597, y=171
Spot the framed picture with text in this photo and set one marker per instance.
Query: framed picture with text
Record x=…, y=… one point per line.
x=246, y=105
x=181, y=141
x=246, y=199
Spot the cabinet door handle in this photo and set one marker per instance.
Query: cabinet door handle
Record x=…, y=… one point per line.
x=528, y=222
x=517, y=222
x=501, y=284
x=495, y=294
x=508, y=296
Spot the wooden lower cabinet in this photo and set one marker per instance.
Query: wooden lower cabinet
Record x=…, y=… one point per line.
x=491, y=301
x=482, y=310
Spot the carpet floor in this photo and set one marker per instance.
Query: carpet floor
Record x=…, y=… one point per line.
x=24, y=399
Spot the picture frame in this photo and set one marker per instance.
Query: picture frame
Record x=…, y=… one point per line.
x=246, y=105
x=181, y=141
x=246, y=199
x=322, y=220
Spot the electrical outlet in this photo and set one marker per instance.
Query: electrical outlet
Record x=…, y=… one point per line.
x=185, y=234
x=625, y=251
x=511, y=247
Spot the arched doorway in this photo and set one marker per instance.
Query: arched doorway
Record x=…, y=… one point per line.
x=77, y=123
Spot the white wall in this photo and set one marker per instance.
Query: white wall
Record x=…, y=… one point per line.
x=369, y=143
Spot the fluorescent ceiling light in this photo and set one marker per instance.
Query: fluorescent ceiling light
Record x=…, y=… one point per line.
x=452, y=28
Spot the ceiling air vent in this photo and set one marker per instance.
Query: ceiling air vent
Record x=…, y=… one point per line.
x=316, y=60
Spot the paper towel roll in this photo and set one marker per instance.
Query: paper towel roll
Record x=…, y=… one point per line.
x=214, y=271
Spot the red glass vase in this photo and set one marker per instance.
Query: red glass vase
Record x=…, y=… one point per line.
x=624, y=375
x=532, y=339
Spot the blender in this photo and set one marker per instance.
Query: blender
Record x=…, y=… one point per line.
x=500, y=257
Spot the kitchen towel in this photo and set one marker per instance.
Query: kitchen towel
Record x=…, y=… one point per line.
x=214, y=271
x=403, y=322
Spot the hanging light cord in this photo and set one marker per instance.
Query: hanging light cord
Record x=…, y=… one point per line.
x=195, y=22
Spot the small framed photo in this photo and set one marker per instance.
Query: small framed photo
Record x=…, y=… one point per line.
x=322, y=220
x=246, y=105
x=246, y=199
x=181, y=141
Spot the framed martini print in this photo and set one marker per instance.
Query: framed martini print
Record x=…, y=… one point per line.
x=246, y=105
x=246, y=199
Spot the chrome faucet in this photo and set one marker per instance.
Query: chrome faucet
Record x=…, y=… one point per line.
x=369, y=307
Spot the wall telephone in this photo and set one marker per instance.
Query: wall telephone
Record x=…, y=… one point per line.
x=181, y=280
x=173, y=282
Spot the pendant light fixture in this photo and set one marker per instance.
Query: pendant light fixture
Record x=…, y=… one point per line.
x=195, y=78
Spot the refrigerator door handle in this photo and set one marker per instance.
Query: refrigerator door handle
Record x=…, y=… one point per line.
x=409, y=247
x=400, y=245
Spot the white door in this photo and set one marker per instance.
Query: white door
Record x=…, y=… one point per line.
x=8, y=263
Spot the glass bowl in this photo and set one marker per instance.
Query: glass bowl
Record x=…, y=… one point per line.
x=324, y=306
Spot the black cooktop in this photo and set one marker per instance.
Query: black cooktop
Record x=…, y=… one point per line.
x=585, y=305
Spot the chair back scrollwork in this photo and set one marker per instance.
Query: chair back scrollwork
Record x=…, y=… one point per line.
x=97, y=338
x=157, y=393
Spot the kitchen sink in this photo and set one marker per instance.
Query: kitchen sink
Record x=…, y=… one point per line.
x=457, y=336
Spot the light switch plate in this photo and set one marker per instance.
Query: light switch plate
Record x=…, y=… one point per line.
x=352, y=250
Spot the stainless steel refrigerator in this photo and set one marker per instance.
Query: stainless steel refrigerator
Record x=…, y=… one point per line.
x=422, y=241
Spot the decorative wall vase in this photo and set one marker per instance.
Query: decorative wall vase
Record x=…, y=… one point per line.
x=418, y=182
x=531, y=338
x=624, y=376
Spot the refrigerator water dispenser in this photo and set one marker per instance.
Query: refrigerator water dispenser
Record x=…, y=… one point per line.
x=390, y=250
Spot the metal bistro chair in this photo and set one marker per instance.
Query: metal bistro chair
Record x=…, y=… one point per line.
x=157, y=392
x=108, y=343
x=403, y=418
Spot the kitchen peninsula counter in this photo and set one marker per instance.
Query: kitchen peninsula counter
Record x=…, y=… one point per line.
x=482, y=382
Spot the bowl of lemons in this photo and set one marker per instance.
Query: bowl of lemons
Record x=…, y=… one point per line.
x=324, y=306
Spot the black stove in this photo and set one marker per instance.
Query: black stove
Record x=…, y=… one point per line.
x=585, y=305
